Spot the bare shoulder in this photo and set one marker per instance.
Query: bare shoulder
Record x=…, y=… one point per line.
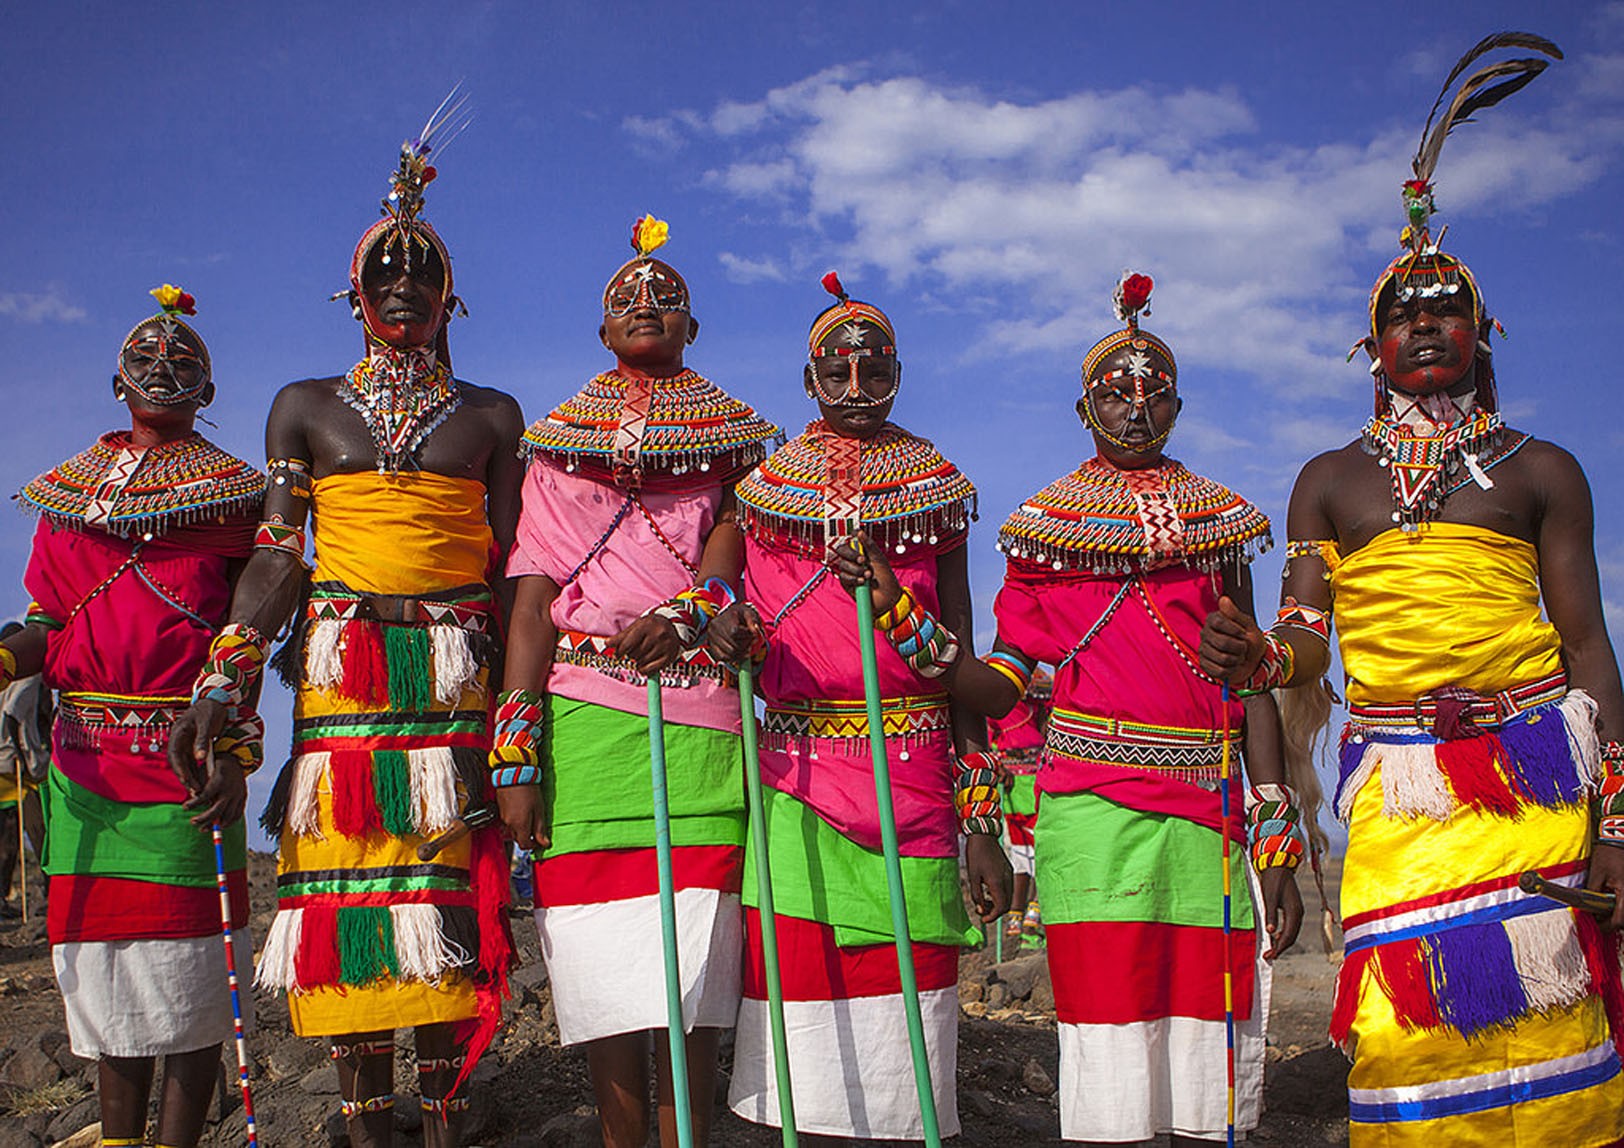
x=1324, y=471
x=500, y=407
x=302, y=397
x=1552, y=471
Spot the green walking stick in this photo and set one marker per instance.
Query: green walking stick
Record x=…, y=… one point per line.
x=675, y=1031
x=893, y=865
x=764, y=899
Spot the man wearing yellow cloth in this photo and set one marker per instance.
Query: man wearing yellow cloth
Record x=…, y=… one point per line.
x=411, y=479
x=1475, y=1013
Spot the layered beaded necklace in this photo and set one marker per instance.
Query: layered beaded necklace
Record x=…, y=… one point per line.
x=1424, y=445
x=402, y=396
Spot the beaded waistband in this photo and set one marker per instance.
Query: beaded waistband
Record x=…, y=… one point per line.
x=900, y=717
x=1442, y=712
x=467, y=608
x=1193, y=754
x=595, y=653
x=84, y=720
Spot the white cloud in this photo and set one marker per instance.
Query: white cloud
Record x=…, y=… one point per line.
x=742, y=270
x=48, y=306
x=1023, y=213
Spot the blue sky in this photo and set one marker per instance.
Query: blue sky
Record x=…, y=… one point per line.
x=983, y=178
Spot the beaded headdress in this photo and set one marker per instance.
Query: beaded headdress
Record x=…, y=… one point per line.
x=643, y=281
x=1422, y=270
x=1130, y=300
x=401, y=233
x=851, y=312
x=161, y=346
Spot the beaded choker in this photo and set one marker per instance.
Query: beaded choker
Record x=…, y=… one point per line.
x=129, y=490
x=1105, y=520
x=642, y=432
x=898, y=487
x=402, y=395
x=1420, y=464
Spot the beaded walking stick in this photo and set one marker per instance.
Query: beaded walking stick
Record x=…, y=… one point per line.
x=764, y=897
x=1229, y=968
x=893, y=866
x=231, y=980
x=675, y=1030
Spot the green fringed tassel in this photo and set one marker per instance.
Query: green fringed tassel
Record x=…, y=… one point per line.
x=366, y=944
x=392, y=789
x=408, y=652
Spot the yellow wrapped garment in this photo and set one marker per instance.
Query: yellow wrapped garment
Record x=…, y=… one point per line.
x=1443, y=605
x=1475, y=1014
x=409, y=533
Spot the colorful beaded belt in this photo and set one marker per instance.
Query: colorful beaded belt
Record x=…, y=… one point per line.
x=900, y=717
x=595, y=653
x=83, y=720
x=1483, y=710
x=1112, y=741
x=467, y=608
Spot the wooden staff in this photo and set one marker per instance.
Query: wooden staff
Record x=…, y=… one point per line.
x=1229, y=966
x=764, y=901
x=676, y=1037
x=1590, y=900
x=475, y=817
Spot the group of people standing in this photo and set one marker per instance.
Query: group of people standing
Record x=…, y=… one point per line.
x=471, y=650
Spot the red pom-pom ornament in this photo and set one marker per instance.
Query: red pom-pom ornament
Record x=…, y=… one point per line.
x=1136, y=291
x=831, y=284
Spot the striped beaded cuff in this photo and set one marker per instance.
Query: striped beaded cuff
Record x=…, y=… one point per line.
x=691, y=611
x=350, y=1109
x=1012, y=667
x=235, y=659
x=1274, y=828
x=1274, y=671
x=243, y=738
x=1610, y=797
x=975, y=795
x=274, y=534
x=515, y=757
x=899, y=610
x=929, y=648
x=443, y=1107
x=1307, y=618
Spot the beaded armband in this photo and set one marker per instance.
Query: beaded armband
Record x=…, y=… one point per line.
x=1610, y=795
x=36, y=616
x=1274, y=828
x=243, y=738
x=444, y=1107
x=292, y=474
x=274, y=534
x=691, y=611
x=350, y=1109
x=8, y=667
x=516, y=736
x=1307, y=618
x=1012, y=667
x=928, y=647
x=235, y=659
x=975, y=795
x=1297, y=548
x=1273, y=671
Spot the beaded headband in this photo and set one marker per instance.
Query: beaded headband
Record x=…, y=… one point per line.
x=657, y=283
x=847, y=310
x=173, y=303
x=1130, y=300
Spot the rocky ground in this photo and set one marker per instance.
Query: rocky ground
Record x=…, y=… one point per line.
x=530, y=1092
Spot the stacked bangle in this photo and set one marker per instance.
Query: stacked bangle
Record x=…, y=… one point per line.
x=233, y=665
x=691, y=611
x=1274, y=828
x=1012, y=667
x=515, y=757
x=243, y=738
x=1274, y=671
x=929, y=647
x=975, y=795
x=1610, y=795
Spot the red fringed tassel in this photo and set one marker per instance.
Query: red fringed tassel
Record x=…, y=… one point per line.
x=355, y=807
x=315, y=963
x=488, y=875
x=1601, y=952
x=1349, y=980
x=1401, y=970
x=1472, y=766
x=366, y=669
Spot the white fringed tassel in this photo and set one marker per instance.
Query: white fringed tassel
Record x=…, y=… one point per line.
x=434, y=789
x=1550, y=963
x=455, y=669
x=1412, y=783
x=324, y=660
x=422, y=950
x=304, y=794
x=1584, y=743
x=276, y=970
x=1356, y=781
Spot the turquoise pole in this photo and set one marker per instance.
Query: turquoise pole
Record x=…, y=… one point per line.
x=675, y=1031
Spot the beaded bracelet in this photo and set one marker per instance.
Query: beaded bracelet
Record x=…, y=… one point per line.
x=1012, y=667
x=1307, y=618
x=36, y=616
x=975, y=795
x=8, y=667
x=515, y=757
x=691, y=611
x=1274, y=828
x=274, y=534
x=928, y=647
x=242, y=737
x=233, y=665
x=1274, y=671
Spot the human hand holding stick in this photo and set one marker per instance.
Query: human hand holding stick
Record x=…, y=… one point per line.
x=1590, y=900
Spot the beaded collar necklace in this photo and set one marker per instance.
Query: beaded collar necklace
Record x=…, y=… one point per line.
x=1423, y=453
x=402, y=395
